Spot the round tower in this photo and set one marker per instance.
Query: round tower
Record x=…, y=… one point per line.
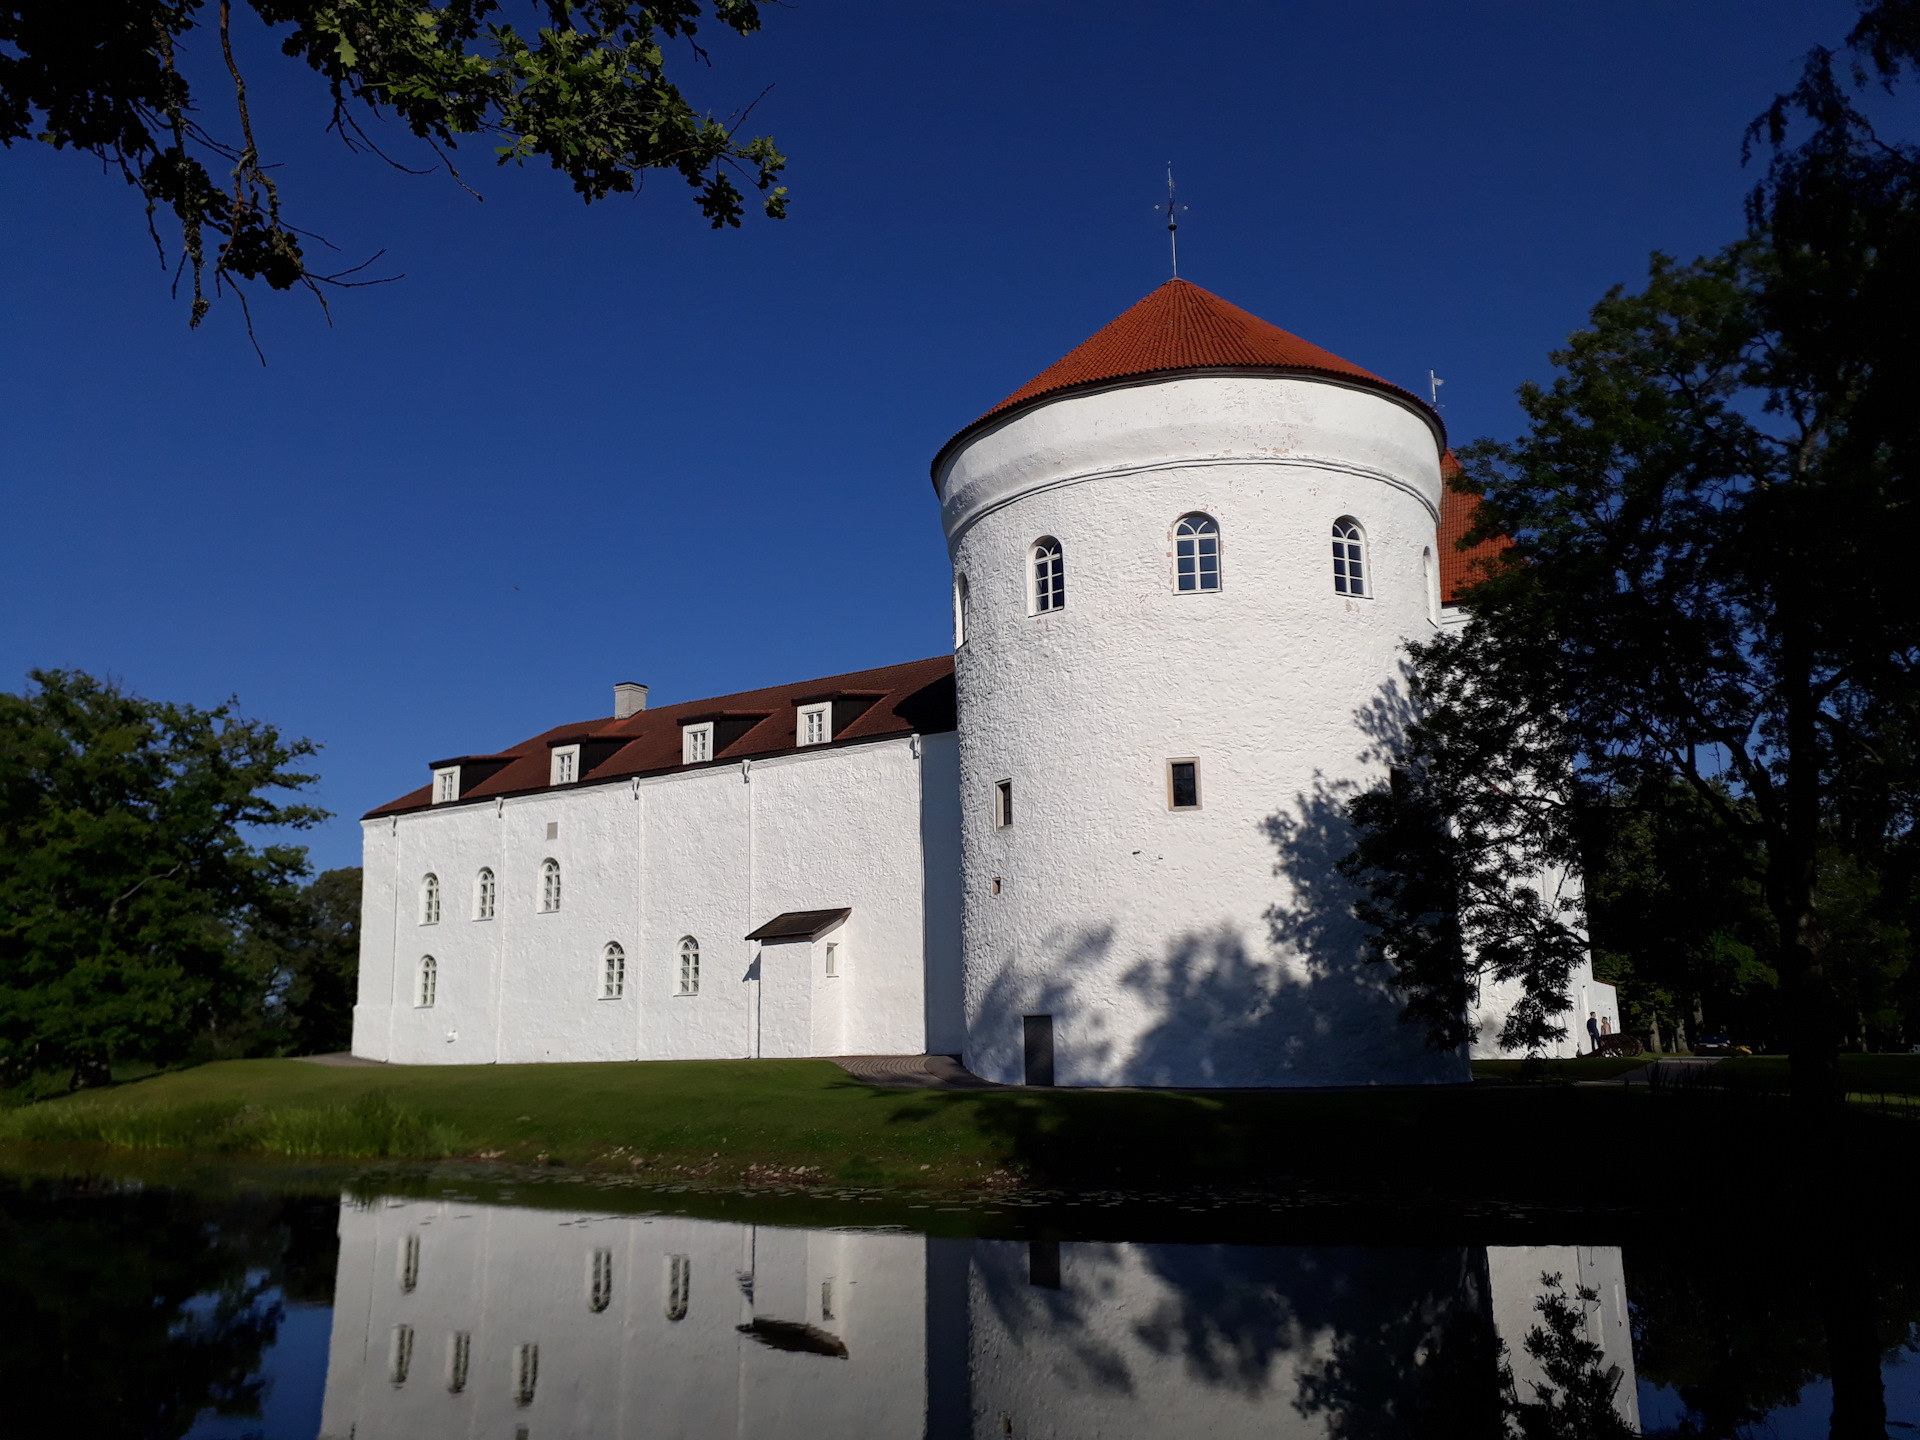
x=1185, y=560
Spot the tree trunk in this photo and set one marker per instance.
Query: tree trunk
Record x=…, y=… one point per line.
x=1851, y=1313
x=1806, y=991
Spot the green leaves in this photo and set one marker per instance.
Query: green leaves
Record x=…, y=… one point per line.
x=588, y=90
x=125, y=869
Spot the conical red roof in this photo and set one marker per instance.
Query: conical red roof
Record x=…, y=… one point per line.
x=1183, y=327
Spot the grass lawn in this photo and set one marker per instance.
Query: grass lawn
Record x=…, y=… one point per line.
x=1861, y=1074
x=1607, y=1067
x=787, y=1122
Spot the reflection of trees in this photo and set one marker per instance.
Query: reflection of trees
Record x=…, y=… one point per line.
x=130, y=1312
x=1738, y=1328
x=1403, y=1337
x=1060, y=1313
x=1418, y=1358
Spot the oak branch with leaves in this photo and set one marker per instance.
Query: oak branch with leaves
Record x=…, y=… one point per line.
x=587, y=89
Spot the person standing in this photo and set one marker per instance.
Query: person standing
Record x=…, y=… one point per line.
x=1593, y=1032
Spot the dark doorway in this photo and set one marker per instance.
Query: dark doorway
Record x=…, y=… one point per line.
x=1039, y=1038
x=1043, y=1263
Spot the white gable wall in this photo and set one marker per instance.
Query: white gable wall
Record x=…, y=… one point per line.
x=712, y=853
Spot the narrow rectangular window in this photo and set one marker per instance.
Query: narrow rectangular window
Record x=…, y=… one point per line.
x=826, y=1299
x=400, y=1355
x=833, y=959
x=600, y=1282
x=459, y=1360
x=1183, y=784
x=1003, y=804
x=409, y=1264
x=526, y=1373
x=696, y=744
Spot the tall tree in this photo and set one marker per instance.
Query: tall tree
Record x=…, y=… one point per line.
x=126, y=870
x=307, y=954
x=1713, y=512
x=585, y=86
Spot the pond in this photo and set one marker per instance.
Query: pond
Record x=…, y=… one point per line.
x=141, y=1309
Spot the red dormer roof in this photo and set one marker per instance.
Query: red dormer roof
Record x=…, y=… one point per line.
x=1181, y=327
x=917, y=697
x=1460, y=569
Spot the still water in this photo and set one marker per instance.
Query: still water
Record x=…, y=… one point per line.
x=145, y=1311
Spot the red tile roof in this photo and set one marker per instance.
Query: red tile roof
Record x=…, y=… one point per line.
x=1460, y=569
x=1182, y=327
x=915, y=697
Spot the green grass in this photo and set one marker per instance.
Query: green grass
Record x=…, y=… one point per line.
x=1861, y=1074
x=801, y=1123
x=1607, y=1067
x=371, y=1126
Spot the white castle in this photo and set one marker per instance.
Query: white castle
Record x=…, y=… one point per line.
x=1093, y=847
x=453, y=1319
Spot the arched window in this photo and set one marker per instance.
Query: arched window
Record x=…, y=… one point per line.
x=526, y=1373
x=483, y=895
x=679, y=1285
x=1196, y=553
x=959, y=611
x=549, y=885
x=689, y=965
x=430, y=900
x=1049, y=571
x=600, y=1281
x=613, y=972
x=1349, y=557
x=429, y=981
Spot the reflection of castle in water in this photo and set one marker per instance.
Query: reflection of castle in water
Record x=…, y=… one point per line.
x=454, y=1319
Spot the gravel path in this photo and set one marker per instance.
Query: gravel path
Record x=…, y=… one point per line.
x=339, y=1058
x=916, y=1072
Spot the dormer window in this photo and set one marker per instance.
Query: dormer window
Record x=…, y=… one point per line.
x=696, y=743
x=815, y=724
x=564, y=768
x=446, y=784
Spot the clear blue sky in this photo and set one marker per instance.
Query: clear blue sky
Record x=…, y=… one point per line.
x=580, y=444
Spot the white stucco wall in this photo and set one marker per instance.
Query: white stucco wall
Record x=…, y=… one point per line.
x=1258, y=1341
x=712, y=853
x=943, y=1338
x=1209, y=947
x=1514, y=1274
x=509, y=1278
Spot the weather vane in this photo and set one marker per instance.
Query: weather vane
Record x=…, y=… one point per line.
x=1172, y=211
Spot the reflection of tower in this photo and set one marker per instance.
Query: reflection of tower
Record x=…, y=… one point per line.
x=1185, y=560
x=1514, y=1279
x=461, y=1320
x=1085, y=1340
